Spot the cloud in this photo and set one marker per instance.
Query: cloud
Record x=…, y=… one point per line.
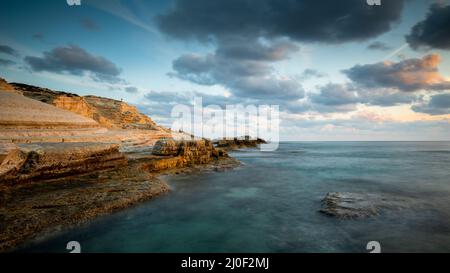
x=8, y=50
x=379, y=46
x=437, y=105
x=308, y=20
x=76, y=61
x=311, y=73
x=251, y=35
x=5, y=62
x=195, y=68
x=344, y=97
x=335, y=95
x=407, y=75
x=434, y=31
x=131, y=89
x=386, y=97
x=159, y=104
x=247, y=76
x=257, y=50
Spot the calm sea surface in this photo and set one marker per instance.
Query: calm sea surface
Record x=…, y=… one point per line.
x=271, y=203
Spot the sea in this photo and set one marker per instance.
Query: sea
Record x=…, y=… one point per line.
x=272, y=202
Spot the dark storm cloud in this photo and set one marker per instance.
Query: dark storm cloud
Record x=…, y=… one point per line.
x=5, y=62
x=438, y=105
x=379, y=46
x=76, y=61
x=8, y=50
x=434, y=31
x=308, y=20
x=407, y=75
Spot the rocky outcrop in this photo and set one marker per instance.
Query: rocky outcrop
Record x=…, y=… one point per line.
x=171, y=153
x=347, y=205
x=239, y=143
x=48, y=160
x=5, y=86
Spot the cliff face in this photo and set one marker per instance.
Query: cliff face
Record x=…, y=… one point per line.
x=118, y=114
x=19, y=111
x=107, y=112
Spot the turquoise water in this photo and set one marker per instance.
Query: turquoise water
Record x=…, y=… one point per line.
x=271, y=204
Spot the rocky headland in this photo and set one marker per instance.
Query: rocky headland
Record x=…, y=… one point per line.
x=65, y=159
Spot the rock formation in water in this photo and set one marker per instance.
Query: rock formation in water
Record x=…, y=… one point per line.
x=347, y=205
x=239, y=143
x=172, y=153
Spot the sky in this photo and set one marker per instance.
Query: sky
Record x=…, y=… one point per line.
x=338, y=70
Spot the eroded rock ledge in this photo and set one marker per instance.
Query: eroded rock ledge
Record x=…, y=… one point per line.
x=175, y=154
x=37, y=161
x=239, y=143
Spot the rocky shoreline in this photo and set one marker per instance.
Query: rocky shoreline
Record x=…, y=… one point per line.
x=66, y=159
x=34, y=207
x=34, y=210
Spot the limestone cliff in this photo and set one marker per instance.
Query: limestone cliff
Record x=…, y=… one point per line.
x=18, y=111
x=107, y=112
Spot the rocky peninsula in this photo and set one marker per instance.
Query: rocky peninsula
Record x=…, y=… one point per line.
x=66, y=159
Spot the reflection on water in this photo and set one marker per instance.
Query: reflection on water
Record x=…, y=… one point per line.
x=271, y=204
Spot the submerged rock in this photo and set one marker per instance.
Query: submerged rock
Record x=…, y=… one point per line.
x=357, y=205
